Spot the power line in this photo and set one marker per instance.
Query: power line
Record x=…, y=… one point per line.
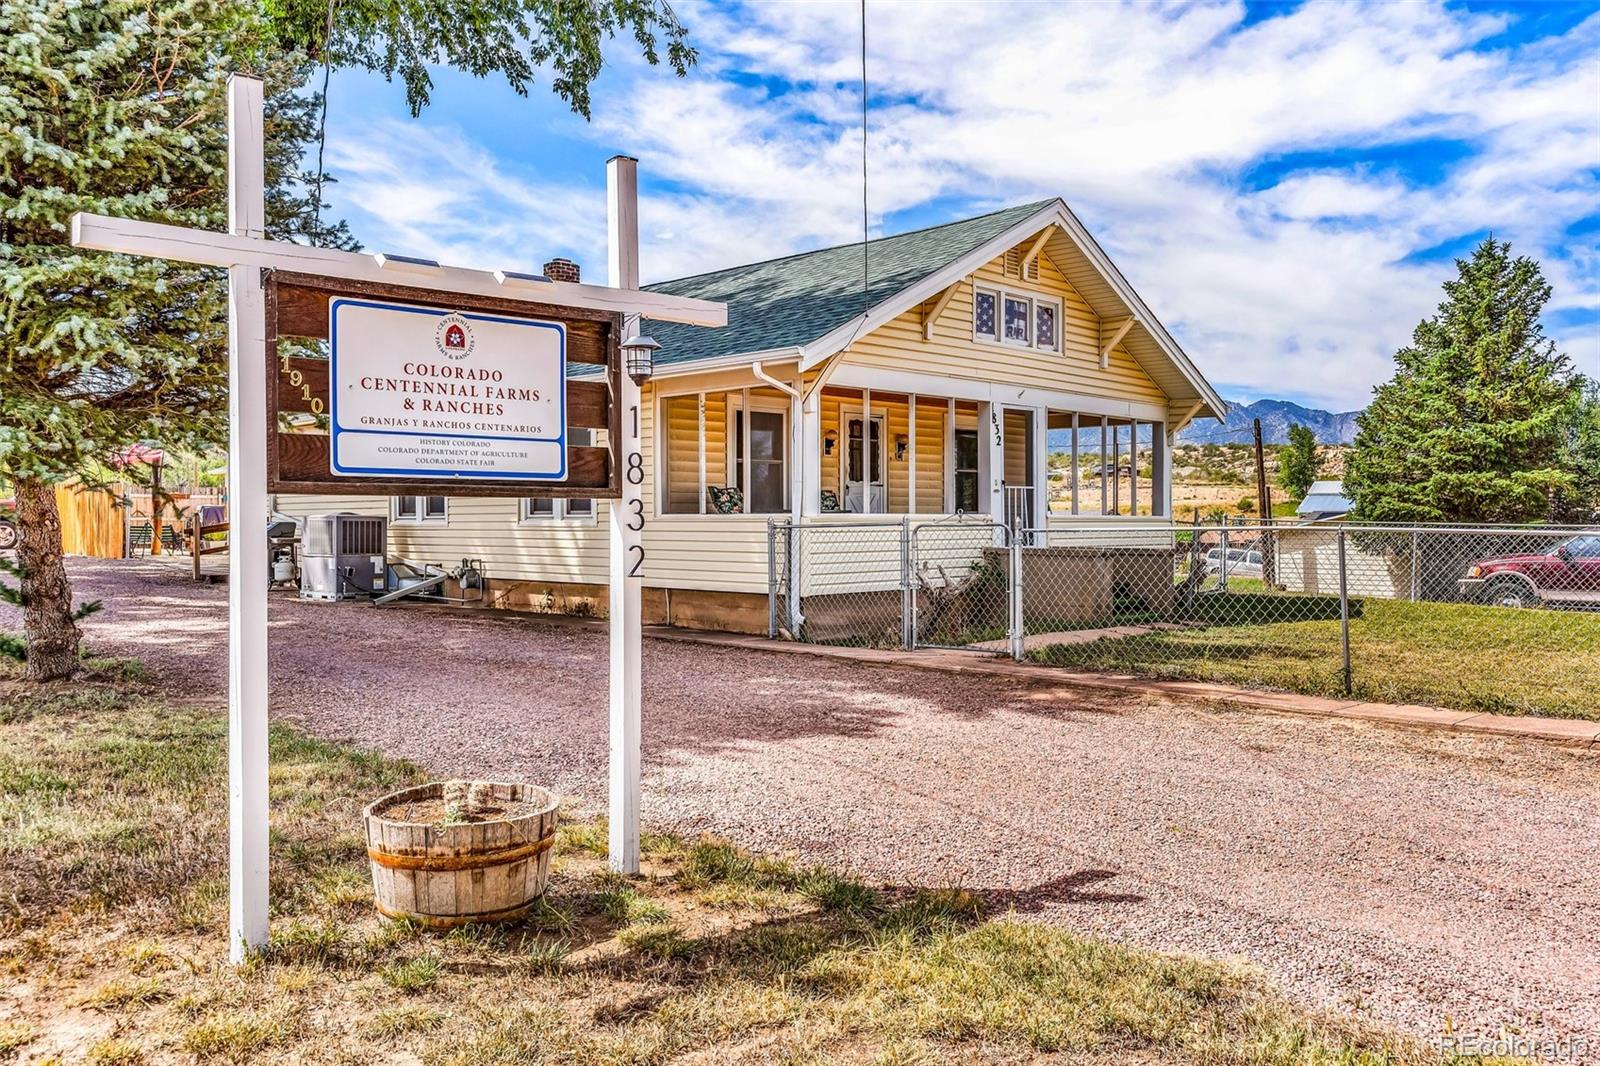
x=866, y=271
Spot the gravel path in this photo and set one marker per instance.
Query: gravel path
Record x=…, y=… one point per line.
x=1402, y=876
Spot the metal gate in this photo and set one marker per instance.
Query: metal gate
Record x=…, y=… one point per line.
x=962, y=585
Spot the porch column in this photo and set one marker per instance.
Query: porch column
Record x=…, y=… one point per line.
x=1074, y=462
x=1161, y=470
x=991, y=461
x=949, y=465
x=811, y=452
x=798, y=496
x=1041, y=467
x=911, y=454
x=867, y=452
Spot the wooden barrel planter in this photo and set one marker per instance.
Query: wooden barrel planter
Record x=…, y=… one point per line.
x=444, y=873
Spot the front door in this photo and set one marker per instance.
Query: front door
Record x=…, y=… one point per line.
x=863, y=461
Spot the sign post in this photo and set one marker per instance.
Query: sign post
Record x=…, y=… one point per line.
x=278, y=288
x=247, y=535
x=626, y=535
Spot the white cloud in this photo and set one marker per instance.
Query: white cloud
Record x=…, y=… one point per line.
x=1146, y=118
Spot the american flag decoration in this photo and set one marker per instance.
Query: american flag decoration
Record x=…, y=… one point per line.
x=1017, y=320
x=985, y=313
x=1044, y=329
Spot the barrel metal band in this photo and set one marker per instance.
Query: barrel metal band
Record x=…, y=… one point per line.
x=475, y=861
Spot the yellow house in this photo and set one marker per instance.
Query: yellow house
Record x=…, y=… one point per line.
x=934, y=388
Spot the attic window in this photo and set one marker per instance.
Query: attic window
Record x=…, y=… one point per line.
x=1001, y=316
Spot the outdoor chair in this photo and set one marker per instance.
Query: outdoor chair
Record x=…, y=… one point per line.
x=139, y=536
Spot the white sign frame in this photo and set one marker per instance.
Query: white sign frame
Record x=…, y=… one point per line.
x=335, y=389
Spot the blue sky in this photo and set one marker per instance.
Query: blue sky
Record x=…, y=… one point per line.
x=1285, y=184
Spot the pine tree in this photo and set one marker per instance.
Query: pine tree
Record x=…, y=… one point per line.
x=1475, y=424
x=1297, y=465
x=118, y=107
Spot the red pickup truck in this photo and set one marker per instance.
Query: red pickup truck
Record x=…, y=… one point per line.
x=1567, y=574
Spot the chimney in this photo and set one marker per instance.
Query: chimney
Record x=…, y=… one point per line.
x=559, y=269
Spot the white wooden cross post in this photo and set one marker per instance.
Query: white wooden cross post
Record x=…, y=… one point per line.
x=245, y=252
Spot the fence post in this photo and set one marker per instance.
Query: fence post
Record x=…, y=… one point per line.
x=1344, y=617
x=1415, y=561
x=1222, y=580
x=194, y=539
x=772, y=578
x=1018, y=644
x=907, y=637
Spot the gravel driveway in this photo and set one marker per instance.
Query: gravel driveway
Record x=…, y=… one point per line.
x=1403, y=876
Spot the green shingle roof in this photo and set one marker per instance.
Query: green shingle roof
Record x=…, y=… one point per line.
x=792, y=301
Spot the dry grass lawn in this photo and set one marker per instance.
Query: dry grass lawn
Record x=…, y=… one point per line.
x=1495, y=659
x=112, y=826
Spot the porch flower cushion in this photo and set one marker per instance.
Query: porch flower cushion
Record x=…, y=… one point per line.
x=830, y=500
x=728, y=500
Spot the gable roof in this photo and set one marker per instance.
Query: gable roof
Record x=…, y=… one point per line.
x=810, y=305
x=790, y=302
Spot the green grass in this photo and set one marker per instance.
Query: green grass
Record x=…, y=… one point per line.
x=113, y=818
x=1463, y=656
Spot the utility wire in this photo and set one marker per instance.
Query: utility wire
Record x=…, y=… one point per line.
x=866, y=299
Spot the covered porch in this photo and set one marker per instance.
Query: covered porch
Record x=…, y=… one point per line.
x=828, y=446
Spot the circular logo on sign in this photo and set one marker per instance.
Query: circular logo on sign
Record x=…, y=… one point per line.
x=453, y=337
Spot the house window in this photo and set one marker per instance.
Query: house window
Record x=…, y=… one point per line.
x=966, y=470
x=766, y=481
x=543, y=509
x=983, y=315
x=1016, y=318
x=1044, y=325
x=1017, y=309
x=418, y=509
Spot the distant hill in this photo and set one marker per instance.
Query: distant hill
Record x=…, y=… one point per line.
x=1276, y=418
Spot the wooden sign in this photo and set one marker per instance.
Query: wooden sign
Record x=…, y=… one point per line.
x=473, y=426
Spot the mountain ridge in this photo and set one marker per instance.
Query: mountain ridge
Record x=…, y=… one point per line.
x=1276, y=416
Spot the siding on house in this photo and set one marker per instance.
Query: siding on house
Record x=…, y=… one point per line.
x=723, y=553
x=952, y=352
x=720, y=553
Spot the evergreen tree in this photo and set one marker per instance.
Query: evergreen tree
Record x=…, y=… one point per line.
x=1475, y=425
x=1582, y=503
x=118, y=107
x=1297, y=465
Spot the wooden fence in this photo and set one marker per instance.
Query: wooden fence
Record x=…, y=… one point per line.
x=93, y=521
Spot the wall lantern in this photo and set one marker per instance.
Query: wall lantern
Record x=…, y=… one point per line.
x=900, y=445
x=829, y=439
x=638, y=357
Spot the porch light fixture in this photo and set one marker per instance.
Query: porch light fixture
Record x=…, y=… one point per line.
x=638, y=357
x=900, y=445
x=829, y=439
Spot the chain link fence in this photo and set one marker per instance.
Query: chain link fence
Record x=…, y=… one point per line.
x=1503, y=619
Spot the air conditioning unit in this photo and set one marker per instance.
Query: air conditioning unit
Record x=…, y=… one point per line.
x=343, y=556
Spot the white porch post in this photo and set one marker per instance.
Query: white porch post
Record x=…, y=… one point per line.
x=991, y=461
x=1133, y=469
x=1161, y=466
x=950, y=456
x=626, y=591
x=247, y=544
x=867, y=453
x=1041, y=468
x=911, y=454
x=700, y=417
x=1074, y=462
x=811, y=451
x=1105, y=427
